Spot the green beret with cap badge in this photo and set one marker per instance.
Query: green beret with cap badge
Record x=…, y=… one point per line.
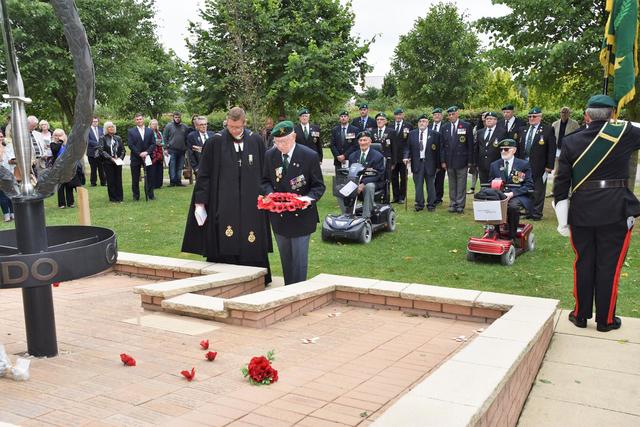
x=282, y=129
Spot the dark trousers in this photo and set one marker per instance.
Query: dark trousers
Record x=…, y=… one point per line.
x=600, y=253
x=97, y=170
x=135, y=181
x=539, y=190
x=440, y=174
x=157, y=174
x=513, y=216
x=5, y=203
x=399, y=181
x=65, y=195
x=420, y=179
x=483, y=175
x=176, y=163
x=114, y=181
x=294, y=253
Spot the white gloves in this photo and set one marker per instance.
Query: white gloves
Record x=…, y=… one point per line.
x=562, y=214
x=200, y=214
x=19, y=372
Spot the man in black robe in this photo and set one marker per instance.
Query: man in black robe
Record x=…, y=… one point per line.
x=224, y=224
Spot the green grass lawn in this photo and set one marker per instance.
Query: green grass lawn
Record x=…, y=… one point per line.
x=425, y=248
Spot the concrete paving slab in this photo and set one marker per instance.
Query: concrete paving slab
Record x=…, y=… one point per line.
x=551, y=413
x=607, y=355
x=630, y=330
x=174, y=323
x=596, y=388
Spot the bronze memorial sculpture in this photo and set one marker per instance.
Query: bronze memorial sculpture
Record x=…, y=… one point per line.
x=33, y=256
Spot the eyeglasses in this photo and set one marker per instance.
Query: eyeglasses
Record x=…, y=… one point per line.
x=506, y=148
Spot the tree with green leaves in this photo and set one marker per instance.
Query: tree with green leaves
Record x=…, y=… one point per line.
x=437, y=62
x=133, y=72
x=275, y=55
x=496, y=89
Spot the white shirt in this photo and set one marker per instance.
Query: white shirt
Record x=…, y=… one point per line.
x=436, y=126
x=94, y=129
x=489, y=130
x=454, y=127
x=398, y=126
x=510, y=122
x=508, y=164
x=290, y=153
x=141, y=131
x=532, y=128
x=203, y=137
x=425, y=135
x=366, y=153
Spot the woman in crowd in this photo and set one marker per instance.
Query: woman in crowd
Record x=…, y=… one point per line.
x=8, y=160
x=111, y=150
x=46, y=138
x=65, y=189
x=157, y=156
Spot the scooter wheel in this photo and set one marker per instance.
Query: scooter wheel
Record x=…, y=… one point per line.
x=509, y=257
x=365, y=234
x=325, y=235
x=391, y=221
x=531, y=242
x=471, y=256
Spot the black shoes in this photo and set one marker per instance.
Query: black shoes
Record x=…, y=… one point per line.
x=431, y=209
x=617, y=322
x=419, y=208
x=580, y=323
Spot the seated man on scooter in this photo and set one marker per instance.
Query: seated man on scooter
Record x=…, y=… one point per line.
x=373, y=178
x=511, y=170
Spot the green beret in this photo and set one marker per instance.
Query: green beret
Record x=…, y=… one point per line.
x=398, y=111
x=381, y=114
x=423, y=116
x=437, y=110
x=365, y=133
x=303, y=111
x=452, y=109
x=282, y=129
x=491, y=114
x=508, y=143
x=343, y=113
x=601, y=101
x=535, y=110
x=508, y=107
x=364, y=105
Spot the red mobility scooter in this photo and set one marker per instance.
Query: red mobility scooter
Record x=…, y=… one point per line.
x=495, y=240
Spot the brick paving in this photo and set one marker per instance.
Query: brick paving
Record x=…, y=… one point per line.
x=363, y=361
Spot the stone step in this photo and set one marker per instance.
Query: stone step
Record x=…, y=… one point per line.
x=199, y=305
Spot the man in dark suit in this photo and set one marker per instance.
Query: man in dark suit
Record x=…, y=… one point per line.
x=436, y=124
x=594, y=166
x=373, y=161
x=424, y=153
x=308, y=134
x=392, y=149
x=510, y=123
x=196, y=141
x=512, y=170
x=364, y=122
x=399, y=171
x=343, y=143
x=141, y=144
x=458, y=157
x=537, y=145
x=95, y=162
x=293, y=168
x=485, y=149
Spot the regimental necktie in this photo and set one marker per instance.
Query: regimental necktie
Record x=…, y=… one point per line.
x=506, y=170
x=379, y=134
x=285, y=163
x=203, y=138
x=506, y=125
x=306, y=132
x=344, y=133
x=529, y=140
x=362, y=123
x=453, y=129
x=397, y=126
x=487, y=137
x=421, y=143
x=362, y=158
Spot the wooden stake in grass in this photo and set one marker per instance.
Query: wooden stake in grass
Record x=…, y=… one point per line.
x=84, y=214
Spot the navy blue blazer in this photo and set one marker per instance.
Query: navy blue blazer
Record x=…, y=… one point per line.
x=374, y=161
x=433, y=155
x=522, y=170
x=370, y=123
x=193, y=140
x=92, y=142
x=346, y=147
x=137, y=145
x=303, y=177
x=459, y=148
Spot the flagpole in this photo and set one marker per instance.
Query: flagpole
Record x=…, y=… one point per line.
x=605, y=83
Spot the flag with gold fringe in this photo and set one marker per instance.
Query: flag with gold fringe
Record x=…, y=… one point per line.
x=619, y=55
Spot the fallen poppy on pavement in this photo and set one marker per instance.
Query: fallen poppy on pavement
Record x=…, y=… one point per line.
x=189, y=375
x=127, y=360
x=204, y=344
x=56, y=284
x=211, y=355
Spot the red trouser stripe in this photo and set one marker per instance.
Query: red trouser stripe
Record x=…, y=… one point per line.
x=575, y=274
x=616, y=277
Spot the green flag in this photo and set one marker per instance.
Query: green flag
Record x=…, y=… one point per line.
x=621, y=34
